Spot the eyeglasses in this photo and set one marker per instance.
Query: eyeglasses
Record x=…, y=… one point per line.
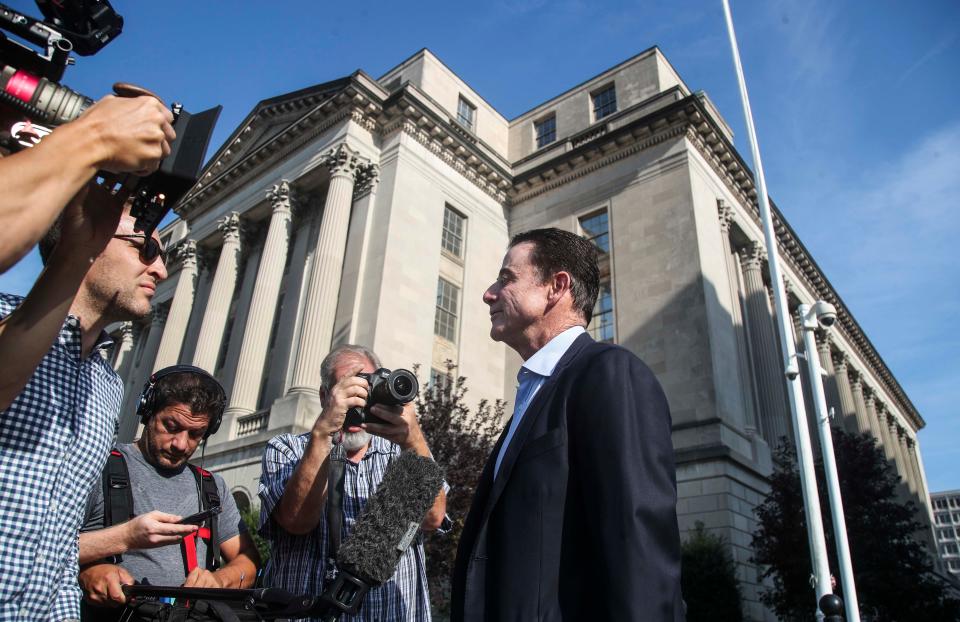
x=149, y=247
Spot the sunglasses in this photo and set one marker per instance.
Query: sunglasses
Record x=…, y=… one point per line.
x=149, y=247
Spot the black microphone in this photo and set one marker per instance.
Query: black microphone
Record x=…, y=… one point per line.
x=385, y=529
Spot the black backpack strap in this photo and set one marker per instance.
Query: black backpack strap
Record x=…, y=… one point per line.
x=209, y=497
x=117, y=494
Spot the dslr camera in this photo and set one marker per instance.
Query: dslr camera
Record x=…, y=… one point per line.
x=390, y=388
x=30, y=88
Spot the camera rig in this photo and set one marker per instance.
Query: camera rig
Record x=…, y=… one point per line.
x=30, y=88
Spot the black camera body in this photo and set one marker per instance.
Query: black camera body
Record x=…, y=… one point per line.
x=390, y=388
x=30, y=87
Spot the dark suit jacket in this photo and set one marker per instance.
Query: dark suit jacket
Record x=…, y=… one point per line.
x=580, y=523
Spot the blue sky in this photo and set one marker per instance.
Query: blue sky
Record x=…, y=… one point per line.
x=855, y=105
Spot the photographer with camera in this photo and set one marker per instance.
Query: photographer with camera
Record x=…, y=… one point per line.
x=62, y=397
x=116, y=135
x=135, y=530
x=299, y=498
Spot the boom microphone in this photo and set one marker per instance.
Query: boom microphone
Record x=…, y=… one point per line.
x=385, y=529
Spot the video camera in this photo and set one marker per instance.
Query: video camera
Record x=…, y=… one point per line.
x=30, y=86
x=389, y=388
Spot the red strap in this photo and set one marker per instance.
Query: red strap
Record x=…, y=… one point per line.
x=190, y=547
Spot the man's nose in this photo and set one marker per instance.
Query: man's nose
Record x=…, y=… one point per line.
x=158, y=269
x=489, y=296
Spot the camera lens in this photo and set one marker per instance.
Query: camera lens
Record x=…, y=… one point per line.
x=402, y=385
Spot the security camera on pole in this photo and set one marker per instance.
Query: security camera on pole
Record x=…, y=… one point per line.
x=824, y=315
x=808, y=479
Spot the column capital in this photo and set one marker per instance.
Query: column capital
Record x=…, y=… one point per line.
x=752, y=255
x=824, y=343
x=840, y=362
x=911, y=443
x=343, y=161
x=229, y=225
x=869, y=398
x=367, y=178
x=856, y=381
x=126, y=332
x=184, y=253
x=280, y=196
x=725, y=214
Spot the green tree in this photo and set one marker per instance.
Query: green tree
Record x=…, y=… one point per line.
x=460, y=440
x=251, y=518
x=709, y=579
x=892, y=569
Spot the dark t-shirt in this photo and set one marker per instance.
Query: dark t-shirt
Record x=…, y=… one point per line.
x=173, y=492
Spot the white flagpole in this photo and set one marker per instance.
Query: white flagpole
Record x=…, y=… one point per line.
x=808, y=480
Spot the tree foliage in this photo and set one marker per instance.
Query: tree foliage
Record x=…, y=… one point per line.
x=892, y=569
x=251, y=518
x=461, y=441
x=709, y=579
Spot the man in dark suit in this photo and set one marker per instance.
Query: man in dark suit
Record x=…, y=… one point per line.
x=574, y=517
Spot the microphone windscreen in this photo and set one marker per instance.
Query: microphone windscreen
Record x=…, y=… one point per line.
x=389, y=521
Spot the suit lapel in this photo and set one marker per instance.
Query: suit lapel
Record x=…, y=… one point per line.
x=534, y=410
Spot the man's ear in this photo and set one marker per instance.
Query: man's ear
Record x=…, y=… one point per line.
x=560, y=283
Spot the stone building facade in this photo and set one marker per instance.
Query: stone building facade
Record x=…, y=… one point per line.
x=376, y=211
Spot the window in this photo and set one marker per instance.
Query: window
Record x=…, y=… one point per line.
x=946, y=534
x=546, y=131
x=604, y=102
x=954, y=566
x=242, y=500
x=943, y=519
x=956, y=517
x=441, y=382
x=601, y=326
x=950, y=548
x=452, y=240
x=466, y=113
x=445, y=322
x=596, y=229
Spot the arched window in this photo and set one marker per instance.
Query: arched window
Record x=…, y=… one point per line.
x=242, y=500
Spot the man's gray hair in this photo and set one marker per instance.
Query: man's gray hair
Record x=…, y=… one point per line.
x=327, y=377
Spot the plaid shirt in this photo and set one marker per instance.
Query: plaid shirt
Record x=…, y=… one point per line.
x=54, y=440
x=298, y=563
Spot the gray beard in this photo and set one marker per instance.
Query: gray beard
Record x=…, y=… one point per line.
x=354, y=441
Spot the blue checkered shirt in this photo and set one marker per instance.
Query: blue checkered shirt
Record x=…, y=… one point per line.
x=298, y=563
x=54, y=441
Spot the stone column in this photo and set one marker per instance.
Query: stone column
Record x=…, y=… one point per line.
x=128, y=426
x=848, y=409
x=263, y=305
x=915, y=469
x=323, y=287
x=869, y=401
x=884, y=431
x=906, y=472
x=750, y=422
x=894, y=428
x=767, y=365
x=830, y=377
x=122, y=362
x=856, y=387
x=221, y=295
x=169, y=352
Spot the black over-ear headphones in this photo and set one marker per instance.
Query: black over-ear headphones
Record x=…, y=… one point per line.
x=145, y=406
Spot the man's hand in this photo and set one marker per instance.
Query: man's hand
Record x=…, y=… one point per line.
x=132, y=134
x=101, y=583
x=200, y=577
x=89, y=221
x=153, y=529
x=400, y=427
x=351, y=391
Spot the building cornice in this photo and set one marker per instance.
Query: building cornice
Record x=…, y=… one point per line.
x=606, y=143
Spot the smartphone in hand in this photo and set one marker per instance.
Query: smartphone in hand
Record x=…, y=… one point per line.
x=199, y=517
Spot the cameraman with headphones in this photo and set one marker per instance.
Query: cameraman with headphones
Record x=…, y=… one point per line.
x=133, y=531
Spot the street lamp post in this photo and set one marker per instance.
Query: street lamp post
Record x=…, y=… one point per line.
x=823, y=314
x=808, y=479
